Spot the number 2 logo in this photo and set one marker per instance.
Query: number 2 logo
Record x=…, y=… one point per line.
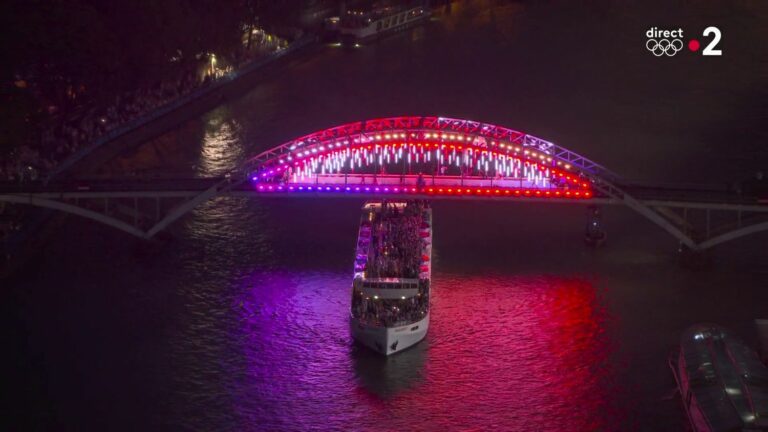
x=710, y=49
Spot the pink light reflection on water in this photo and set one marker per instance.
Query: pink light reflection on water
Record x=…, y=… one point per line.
x=503, y=353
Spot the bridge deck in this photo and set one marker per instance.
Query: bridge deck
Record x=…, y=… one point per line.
x=471, y=161
x=704, y=197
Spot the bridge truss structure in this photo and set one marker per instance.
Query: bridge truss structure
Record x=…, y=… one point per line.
x=411, y=157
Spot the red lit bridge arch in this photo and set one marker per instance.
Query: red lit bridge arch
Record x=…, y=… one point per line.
x=401, y=157
x=424, y=155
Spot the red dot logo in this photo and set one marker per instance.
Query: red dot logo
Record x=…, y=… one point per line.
x=694, y=45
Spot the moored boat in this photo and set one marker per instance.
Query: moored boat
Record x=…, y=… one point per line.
x=380, y=18
x=723, y=383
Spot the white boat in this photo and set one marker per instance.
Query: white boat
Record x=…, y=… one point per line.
x=391, y=285
x=722, y=381
x=367, y=23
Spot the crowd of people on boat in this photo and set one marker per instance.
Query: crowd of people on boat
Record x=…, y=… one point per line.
x=392, y=312
x=395, y=249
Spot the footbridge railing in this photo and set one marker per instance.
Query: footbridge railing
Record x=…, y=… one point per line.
x=416, y=156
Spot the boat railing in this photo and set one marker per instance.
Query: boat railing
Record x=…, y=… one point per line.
x=378, y=322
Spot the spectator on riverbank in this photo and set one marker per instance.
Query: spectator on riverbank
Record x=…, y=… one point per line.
x=62, y=136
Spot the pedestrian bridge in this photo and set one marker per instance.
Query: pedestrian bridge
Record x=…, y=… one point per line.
x=429, y=155
x=408, y=157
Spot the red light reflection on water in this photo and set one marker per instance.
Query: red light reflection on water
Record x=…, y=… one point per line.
x=502, y=353
x=512, y=354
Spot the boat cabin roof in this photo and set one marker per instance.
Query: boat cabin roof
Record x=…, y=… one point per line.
x=387, y=281
x=727, y=379
x=388, y=288
x=376, y=205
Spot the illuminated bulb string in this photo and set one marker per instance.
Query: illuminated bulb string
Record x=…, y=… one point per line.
x=495, y=192
x=348, y=160
x=399, y=158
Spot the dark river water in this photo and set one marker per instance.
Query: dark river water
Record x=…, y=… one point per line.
x=239, y=321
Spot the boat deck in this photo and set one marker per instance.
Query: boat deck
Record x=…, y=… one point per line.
x=727, y=384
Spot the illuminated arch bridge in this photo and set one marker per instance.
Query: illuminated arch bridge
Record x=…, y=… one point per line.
x=402, y=157
x=426, y=156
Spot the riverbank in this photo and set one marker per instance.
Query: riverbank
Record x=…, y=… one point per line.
x=177, y=112
x=20, y=245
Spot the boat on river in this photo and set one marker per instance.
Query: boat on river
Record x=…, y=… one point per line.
x=392, y=275
x=723, y=383
x=380, y=18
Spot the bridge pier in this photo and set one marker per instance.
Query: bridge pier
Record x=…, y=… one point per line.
x=594, y=233
x=694, y=259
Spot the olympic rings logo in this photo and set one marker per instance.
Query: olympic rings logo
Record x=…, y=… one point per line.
x=664, y=46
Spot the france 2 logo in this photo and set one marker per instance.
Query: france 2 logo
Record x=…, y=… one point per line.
x=670, y=42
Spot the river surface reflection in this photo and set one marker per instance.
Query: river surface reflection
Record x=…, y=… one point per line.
x=524, y=352
x=239, y=321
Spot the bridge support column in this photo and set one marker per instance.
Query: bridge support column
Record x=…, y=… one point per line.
x=594, y=233
x=695, y=259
